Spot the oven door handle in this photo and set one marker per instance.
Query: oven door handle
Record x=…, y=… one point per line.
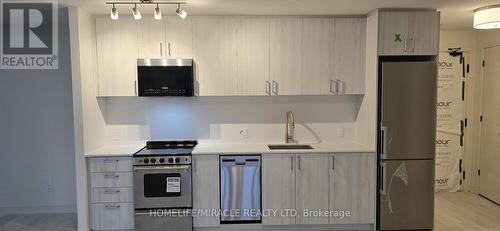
x=161, y=168
x=165, y=211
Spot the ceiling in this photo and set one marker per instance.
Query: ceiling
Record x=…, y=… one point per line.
x=455, y=14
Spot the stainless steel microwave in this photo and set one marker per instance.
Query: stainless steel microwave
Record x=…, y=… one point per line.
x=165, y=77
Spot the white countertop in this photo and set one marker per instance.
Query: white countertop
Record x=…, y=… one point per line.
x=207, y=147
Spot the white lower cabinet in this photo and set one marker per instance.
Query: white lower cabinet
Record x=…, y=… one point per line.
x=111, y=193
x=353, y=187
x=278, y=187
x=206, y=189
x=342, y=184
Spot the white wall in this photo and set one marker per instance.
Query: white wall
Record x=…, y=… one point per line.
x=36, y=144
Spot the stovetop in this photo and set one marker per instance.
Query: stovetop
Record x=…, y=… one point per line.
x=167, y=148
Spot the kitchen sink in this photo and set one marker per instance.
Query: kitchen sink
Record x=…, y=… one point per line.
x=288, y=146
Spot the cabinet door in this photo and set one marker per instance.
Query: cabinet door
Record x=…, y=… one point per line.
x=286, y=55
x=312, y=187
x=253, y=56
x=179, y=37
x=317, y=56
x=352, y=187
x=350, y=51
x=206, y=188
x=116, y=56
x=151, y=38
x=278, y=187
x=424, y=33
x=392, y=32
x=214, y=42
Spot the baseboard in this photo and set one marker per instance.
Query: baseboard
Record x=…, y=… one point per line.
x=38, y=209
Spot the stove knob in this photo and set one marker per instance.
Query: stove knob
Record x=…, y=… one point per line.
x=153, y=160
x=146, y=160
x=162, y=160
x=171, y=160
x=177, y=159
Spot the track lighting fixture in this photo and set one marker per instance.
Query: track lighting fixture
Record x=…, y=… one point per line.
x=182, y=13
x=157, y=12
x=114, y=13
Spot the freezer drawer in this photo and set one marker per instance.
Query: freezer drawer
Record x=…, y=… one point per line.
x=408, y=110
x=406, y=199
x=240, y=184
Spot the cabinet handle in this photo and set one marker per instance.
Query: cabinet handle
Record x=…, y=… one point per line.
x=111, y=175
x=382, y=178
x=135, y=87
x=112, y=206
x=331, y=86
x=110, y=161
x=169, y=53
x=268, y=87
x=111, y=191
x=275, y=87
x=333, y=162
x=412, y=45
x=406, y=45
x=291, y=162
x=161, y=49
x=341, y=86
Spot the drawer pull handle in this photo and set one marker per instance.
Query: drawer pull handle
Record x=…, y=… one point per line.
x=111, y=191
x=111, y=175
x=112, y=206
x=110, y=161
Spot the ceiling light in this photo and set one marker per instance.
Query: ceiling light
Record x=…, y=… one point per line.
x=136, y=13
x=487, y=17
x=182, y=13
x=157, y=14
x=114, y=13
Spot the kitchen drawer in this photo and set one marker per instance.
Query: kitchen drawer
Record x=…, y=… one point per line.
x=110, y=179
x=112, y=216
x=101, y=195
x=116, y=164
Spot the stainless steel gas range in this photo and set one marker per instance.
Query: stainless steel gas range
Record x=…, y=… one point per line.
x=162, y=186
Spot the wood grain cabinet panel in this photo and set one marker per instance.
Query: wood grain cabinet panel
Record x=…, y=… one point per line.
x=206, y=188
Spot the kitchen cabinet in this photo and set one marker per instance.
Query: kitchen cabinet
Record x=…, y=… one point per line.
x=286, y=55
x=117, y=51
x=151, y=38
x=214, y=46
x=111, y=193
x=317, y=56
x=349, y=56
x=408, y=32
x=253, y=56
x=352, y=187
x=312, y=187
x=179, y=37
x=206, y=189
x=278, y=187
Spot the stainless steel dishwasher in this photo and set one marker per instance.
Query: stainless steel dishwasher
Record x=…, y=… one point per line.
x=240, y=189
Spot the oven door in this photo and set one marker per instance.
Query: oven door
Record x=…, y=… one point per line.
x=162, y=186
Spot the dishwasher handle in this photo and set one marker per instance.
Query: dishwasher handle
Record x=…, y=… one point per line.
x=235, y=161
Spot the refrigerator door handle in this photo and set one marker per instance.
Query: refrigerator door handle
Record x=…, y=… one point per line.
x=382, y=178
x=383, y=134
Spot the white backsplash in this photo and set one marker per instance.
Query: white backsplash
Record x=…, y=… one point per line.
x=260, y=119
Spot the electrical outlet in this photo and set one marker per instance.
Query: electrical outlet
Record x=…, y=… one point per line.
x=244, y=133
x=340, y=132
x=50, y=185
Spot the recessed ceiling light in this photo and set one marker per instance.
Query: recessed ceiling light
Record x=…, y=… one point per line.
x=487, y=17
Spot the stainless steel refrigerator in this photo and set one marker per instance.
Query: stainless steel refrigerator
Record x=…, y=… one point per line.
x=406, y=143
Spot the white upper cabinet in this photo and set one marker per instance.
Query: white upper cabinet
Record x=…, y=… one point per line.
x=317, y=56
x=179, y=37
x=349, y=58
x=253, y=56
x=286, y=55
x=151, y=38
x=214, y=46
x=408, y=32
x=117, y=49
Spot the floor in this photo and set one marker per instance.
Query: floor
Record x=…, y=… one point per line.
x=38, y=222
x=454, y=212
x=465, y=212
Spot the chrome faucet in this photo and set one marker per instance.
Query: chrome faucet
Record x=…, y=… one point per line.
x=290, y=128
